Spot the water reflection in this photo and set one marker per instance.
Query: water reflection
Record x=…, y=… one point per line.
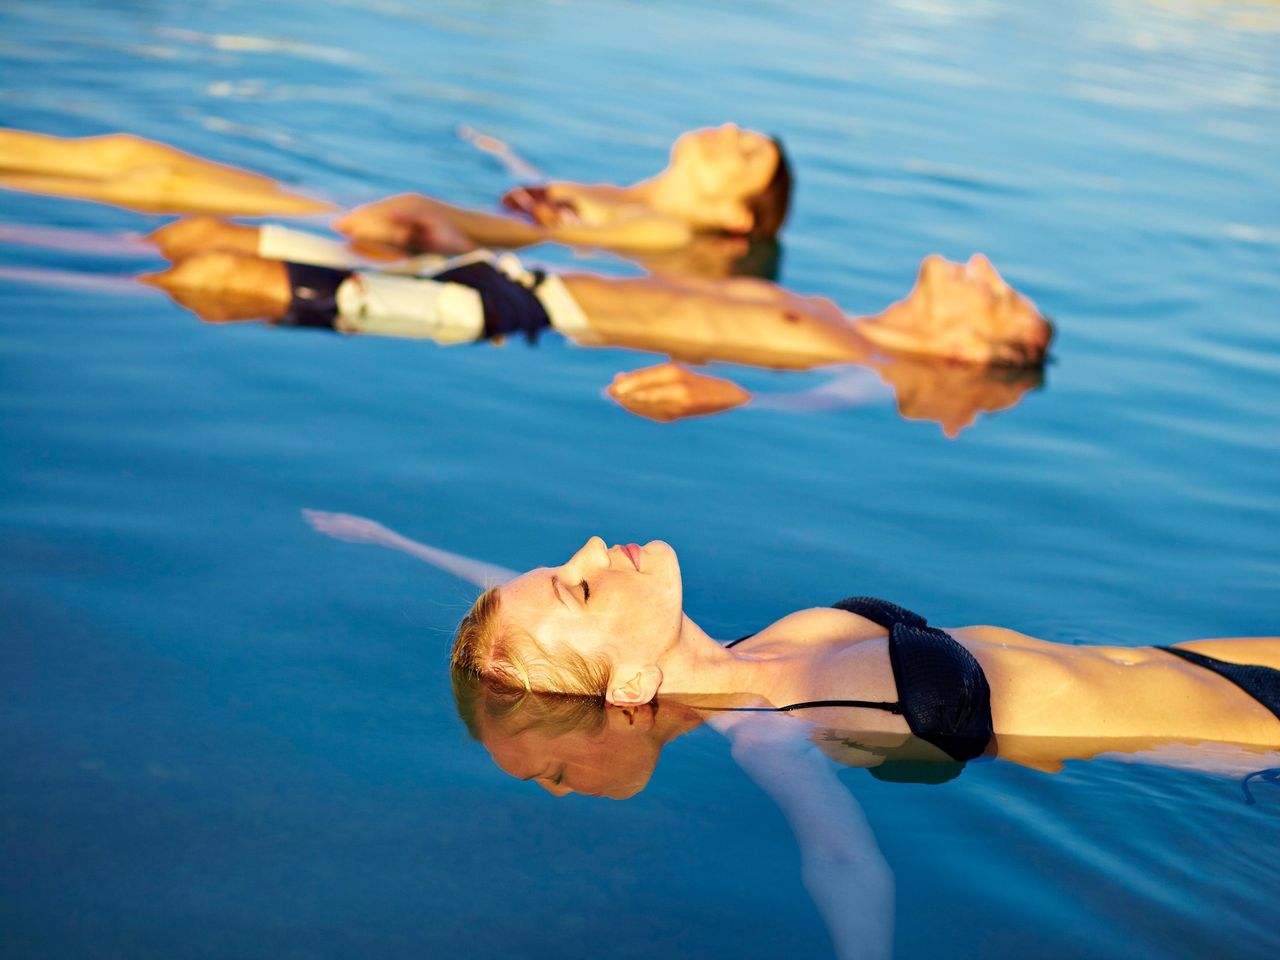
x=710, y=215
x=581, y=745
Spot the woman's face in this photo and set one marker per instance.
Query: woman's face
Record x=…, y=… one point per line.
x=726, y=162
x=622, y=602
x=614, y=761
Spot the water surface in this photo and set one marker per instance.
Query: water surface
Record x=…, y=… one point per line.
x=226, y=736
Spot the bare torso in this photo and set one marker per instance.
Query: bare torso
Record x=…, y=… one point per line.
x=741, y=320
x=1038, y=689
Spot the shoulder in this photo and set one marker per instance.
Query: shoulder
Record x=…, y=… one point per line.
x=814, y=627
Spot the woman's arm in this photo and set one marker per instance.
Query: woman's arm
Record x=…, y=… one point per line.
x=841, y=863
x=352, y=529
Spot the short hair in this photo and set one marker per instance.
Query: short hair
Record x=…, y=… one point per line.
x=488, y=646
x=769, y=206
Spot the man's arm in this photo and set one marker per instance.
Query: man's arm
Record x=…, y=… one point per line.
x=140, y=174
x=402, y=222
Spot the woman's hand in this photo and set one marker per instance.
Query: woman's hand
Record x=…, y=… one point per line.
x=669, y=392
x=352, y=529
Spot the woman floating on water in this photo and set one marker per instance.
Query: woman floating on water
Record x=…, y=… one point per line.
x=609, y=624
x=577, y=676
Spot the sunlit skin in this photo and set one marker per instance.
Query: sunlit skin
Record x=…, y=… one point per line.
x=705, y=188
x=964, y=316
x=625, y=604
x=614, y=761
x=702, y=193
x=140, y=174
x=600, y=603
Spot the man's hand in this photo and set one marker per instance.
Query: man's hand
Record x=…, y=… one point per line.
x=669, y=392
x=405, y=225
x=539, y=205
x=192, y=235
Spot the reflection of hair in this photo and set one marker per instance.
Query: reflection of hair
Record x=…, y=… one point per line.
x=763, y=260
x=481, y=700
x=511, y=658
x=769, y=206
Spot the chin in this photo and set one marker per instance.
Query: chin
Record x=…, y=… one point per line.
x=665, y=555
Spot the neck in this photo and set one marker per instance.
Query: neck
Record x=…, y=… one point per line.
x=673, y=193
x=698, y=666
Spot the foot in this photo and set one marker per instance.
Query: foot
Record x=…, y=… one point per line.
x=966, y=313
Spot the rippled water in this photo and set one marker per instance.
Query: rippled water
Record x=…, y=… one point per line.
x=225, y=736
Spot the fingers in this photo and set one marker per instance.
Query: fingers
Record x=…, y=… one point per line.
x=625, y=384
x=668, y=392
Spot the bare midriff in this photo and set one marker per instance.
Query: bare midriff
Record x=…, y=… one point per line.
x=1053, y=690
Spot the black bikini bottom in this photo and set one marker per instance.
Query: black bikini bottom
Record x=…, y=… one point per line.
x=1261, y=683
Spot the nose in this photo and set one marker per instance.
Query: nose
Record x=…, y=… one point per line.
x=593, y=553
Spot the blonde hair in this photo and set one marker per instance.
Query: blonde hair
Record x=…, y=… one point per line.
x=507, y=657
x=488, y=708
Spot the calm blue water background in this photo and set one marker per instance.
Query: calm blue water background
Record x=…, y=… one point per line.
x=223, y=735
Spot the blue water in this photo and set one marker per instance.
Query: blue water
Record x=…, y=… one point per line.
x=226, y=736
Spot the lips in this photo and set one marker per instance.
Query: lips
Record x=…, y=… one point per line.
x=633, y=554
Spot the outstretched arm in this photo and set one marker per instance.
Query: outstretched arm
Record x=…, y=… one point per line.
x=399, y=223
x=140, y=174
x=352, y=529
x=843, y=868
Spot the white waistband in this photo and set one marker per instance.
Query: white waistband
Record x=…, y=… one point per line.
x=298, y=246
x=447, y=312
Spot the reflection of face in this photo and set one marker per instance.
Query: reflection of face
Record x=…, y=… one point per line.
x=621, y=602
x=726, y=161
x=615, y=761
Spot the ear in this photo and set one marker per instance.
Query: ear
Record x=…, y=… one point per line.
x=631, y=687
x=735, y=217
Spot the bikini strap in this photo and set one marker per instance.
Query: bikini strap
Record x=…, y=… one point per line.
x=886, y=705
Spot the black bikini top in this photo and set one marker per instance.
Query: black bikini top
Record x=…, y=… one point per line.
x=942, y=692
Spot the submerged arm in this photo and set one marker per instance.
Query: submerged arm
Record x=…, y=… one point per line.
x=843, y=868
x=352, y=529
